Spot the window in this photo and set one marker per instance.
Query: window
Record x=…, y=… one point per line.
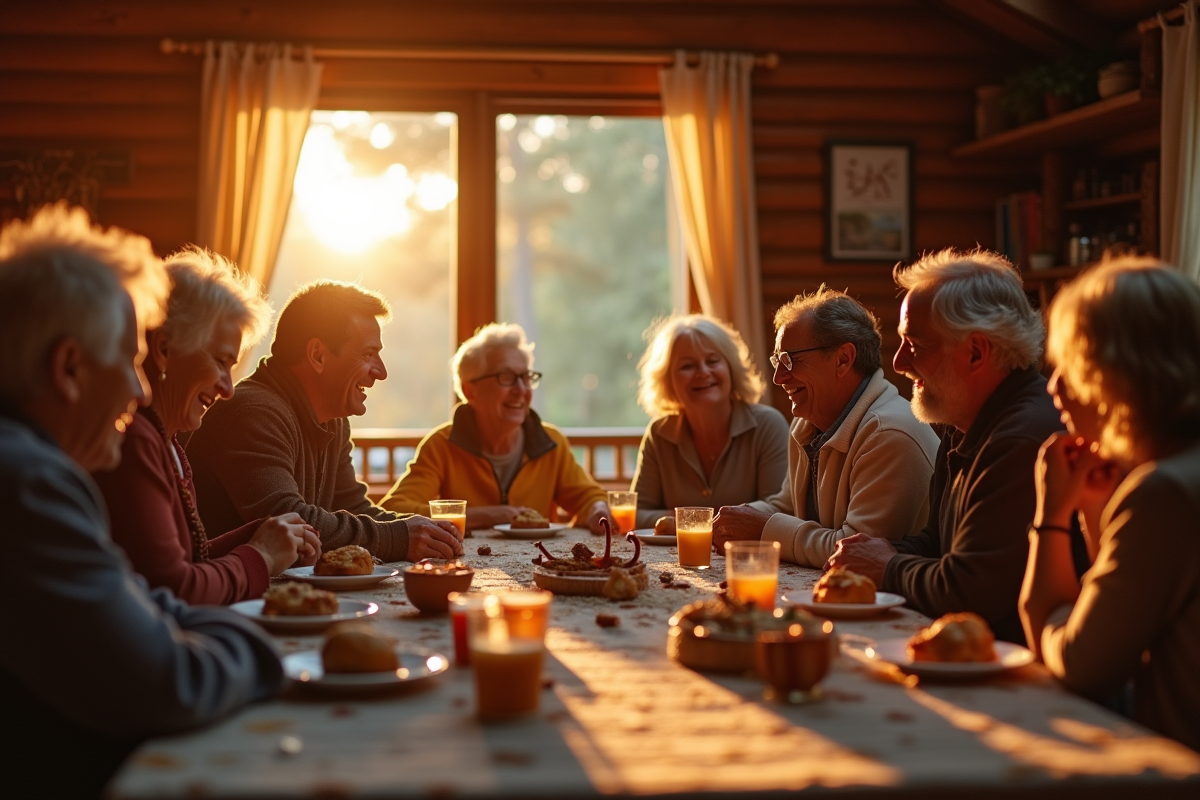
x=374, y=202
x=585, y=255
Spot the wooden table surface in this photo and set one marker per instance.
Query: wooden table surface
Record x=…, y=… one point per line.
x=620, y=717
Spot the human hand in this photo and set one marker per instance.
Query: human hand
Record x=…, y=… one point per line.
x=598, y=511
x=310, y=549
x=866, y=555
x=432, y=538
x=490, y=516
x=281, y=540
x=738, y=523
x=1060, y=475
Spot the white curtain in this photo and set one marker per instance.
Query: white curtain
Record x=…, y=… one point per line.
x=706, y=113
x=1180, y=165
x=255, y=109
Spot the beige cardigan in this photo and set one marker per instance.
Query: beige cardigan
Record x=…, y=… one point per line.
x=873, y=477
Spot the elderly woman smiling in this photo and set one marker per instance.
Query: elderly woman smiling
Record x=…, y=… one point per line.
x=1125, y=339
x=710, y=443
x=212, y=315
x=496, y=453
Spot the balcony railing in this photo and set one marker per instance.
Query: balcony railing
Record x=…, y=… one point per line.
x=608, y=454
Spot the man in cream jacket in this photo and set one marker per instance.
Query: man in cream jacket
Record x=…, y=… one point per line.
x=858, y=460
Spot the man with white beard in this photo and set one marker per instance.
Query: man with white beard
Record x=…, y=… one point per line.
x=970, y=343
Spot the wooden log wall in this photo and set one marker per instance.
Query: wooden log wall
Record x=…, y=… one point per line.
x=81, y=74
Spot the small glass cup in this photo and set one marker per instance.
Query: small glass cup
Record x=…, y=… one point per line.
x=794, y=660
x=527, y=612
x=460, y=604
x=752, y=572
x=453, y=511
x=623, y=506
x=508, y=668
x=693, y=535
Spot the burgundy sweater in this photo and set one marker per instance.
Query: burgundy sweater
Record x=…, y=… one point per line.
x=150, y=524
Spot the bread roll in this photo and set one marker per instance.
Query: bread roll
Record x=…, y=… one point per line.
x=665, y=526
x=963, y=637
x=348, y=560
x=840, y=585
x=293, y=599
x=358, y=647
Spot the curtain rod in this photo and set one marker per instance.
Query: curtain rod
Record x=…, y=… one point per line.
x=1168, y=16
x=769, y=60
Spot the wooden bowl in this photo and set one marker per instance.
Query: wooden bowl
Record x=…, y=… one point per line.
x=429, y=592
x=714, y=652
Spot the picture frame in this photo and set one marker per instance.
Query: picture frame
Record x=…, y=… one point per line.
x=868, y=201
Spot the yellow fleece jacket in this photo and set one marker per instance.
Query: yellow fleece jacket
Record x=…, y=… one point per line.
x=449, y=464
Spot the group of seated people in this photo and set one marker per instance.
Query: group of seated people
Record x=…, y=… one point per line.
x=126, y=538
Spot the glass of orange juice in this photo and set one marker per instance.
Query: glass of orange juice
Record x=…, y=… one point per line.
x=623, y=506
x=693, y=535
x=452, y=510
x=752, y=572
x=527, y=612
x=508, y=668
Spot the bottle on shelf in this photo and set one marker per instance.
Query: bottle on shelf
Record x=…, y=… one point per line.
x=1079, y=246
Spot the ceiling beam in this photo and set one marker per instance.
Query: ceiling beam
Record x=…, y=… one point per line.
x=1046, y=27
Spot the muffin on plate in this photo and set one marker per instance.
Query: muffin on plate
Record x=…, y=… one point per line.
x=348, y=560
x=293, y=599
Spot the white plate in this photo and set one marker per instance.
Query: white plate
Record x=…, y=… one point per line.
x=883, y=602
x=648, y=536
x=417, y=665
x=347, y=609
x=340, y=582
x=529, y=533
x=895, y=651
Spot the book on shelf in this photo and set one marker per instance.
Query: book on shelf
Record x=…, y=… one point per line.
x=1019, y=227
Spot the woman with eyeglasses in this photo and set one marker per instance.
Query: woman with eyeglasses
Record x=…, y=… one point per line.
x=1125, y=340
x=496, y=453
x=710, y=443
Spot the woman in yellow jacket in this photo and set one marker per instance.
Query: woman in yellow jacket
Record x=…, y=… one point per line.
x=496, y=453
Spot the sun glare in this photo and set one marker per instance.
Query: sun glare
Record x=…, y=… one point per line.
x=351, y=212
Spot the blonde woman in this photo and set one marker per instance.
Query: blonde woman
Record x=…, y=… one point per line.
x=710, y=443
x=1126, y=341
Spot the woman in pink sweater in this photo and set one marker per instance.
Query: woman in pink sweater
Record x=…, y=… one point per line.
x=212, y=315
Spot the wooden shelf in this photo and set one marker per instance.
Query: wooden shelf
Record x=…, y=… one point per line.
x=1118, y=115
x=1104, y=202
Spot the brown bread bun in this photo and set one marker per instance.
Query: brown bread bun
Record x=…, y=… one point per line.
x=358, y=647
x=348, y=560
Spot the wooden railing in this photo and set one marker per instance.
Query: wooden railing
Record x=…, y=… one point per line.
x=608, y=454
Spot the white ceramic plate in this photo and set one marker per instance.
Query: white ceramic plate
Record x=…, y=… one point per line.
x=895, y=651
x=883, y=602
x=417, y=665
x=508, y=531
x=347, y=609
x=648, y=537
x=343, y=583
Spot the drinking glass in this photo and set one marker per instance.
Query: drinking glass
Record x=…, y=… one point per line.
x=693, y=534
x=453, y=510
x=527, y=612
x=752, y=572
x=460, y=604
x=794, y=660
x=508, y=668
x=623, y=506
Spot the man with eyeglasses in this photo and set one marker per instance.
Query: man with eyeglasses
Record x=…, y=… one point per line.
x=282, y=442
x=496, y=453
x=859, y=462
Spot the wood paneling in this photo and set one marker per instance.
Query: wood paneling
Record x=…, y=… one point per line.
x=79, y=73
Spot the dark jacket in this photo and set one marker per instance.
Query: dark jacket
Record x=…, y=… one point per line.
x=971, y=555
x=263, y=453
x=149, y=522
x=92, y=663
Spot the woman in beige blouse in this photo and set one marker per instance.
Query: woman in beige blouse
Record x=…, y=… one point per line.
x=710, y=443
x=1125, y=337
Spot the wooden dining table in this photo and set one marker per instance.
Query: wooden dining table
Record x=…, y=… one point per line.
x=618, y=716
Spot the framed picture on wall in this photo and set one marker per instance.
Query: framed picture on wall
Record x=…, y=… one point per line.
x=868, y=201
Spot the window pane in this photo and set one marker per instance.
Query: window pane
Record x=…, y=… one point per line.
x=584, y=255
x=374, y=202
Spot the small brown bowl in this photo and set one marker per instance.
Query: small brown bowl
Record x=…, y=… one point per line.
x=429, y=591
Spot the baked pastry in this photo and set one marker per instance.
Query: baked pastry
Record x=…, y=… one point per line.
x=348, y=560
x=840, y=585
x=293, y=599
x=665, y=526
x=530, y=519
x=954, y=637
x=623, y=586
x=358, y=647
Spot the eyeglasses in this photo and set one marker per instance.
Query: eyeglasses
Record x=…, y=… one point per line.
x=785, y=357
x=507, y=378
